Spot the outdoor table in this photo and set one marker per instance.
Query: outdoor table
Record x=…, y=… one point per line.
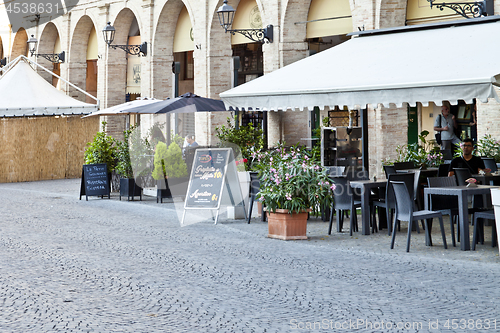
x=487, y=179
x=462, y=193
x=366, y=186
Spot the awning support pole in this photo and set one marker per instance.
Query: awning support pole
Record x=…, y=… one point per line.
x=364, y=141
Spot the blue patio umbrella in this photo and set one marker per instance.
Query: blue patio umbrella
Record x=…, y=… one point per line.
x=185, y=103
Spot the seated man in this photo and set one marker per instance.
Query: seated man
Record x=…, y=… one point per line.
x=467, y=160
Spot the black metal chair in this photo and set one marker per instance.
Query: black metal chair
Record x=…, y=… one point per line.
x=404, y=165
x=343, y=201
x=462, y=174
x=443, y=204
x=356, y=173
x=389, y=170
x=490, y=163
x=405, y=212
x=254, y=189
x=479, y=228
x=443, y=170
x=389, y=201
x=336, y=171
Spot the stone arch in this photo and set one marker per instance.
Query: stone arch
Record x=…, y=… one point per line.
x=77, y=59
x=46, y=45
x=295, y=11
x=20, y=45
x=1, y=49
x=163, y=47
x=294, y=35
x=390, y=13
x=117, y=59
x=219, y=53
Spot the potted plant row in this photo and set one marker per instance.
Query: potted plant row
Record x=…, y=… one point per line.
x=122, y=157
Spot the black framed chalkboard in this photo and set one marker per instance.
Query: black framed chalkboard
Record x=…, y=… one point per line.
x=207, y=178
x=95, y=180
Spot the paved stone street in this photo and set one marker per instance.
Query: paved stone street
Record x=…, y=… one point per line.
x=70, y=265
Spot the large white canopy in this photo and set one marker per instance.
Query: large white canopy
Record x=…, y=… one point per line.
x=25, y=93
x=433, y=63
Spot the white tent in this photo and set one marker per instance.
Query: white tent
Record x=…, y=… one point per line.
x=25, y=93
x=432, y=63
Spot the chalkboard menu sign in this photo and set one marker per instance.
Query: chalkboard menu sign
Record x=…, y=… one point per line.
x=95, y=180
x=213, y=181
x=207, y=178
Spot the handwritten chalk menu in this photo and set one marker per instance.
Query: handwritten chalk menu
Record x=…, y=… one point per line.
x=207, y=178
x=95, y=180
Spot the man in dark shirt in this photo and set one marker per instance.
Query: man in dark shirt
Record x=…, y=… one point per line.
x=467, y=160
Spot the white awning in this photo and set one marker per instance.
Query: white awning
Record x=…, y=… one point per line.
x=25, y=93
x=433, y=63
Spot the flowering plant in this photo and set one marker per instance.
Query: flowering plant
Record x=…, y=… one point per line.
x=471, y=180
x=292, y=180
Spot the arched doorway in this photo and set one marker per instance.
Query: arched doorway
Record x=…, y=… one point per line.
x=250, y=55
x=20, y=45
x=49, y=43
x=83, y=71
x=184, y=56
x=2, y=58
x=327, y=25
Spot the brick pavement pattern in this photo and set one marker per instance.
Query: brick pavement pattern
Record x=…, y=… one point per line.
x=116, y=266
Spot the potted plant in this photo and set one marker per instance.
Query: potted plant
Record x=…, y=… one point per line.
x=170, y=171
x=487, y=146
x=423, y=154
x=101, y=150
x=292, y=184
x=128, y=186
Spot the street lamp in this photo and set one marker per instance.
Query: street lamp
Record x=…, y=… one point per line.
x=109, y=36
x=226, y=17
x=475, y=9
x=52, y=57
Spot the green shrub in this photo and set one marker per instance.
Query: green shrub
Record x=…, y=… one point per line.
x=101, y=150
x=168, y=162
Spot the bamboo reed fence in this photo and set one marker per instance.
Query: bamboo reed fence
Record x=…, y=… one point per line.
x=40, y=148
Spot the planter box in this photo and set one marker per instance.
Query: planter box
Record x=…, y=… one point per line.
x=495, y=199
x=128, y=188
x=285, y=226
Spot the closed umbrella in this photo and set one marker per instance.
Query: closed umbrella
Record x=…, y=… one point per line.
x=186, y=103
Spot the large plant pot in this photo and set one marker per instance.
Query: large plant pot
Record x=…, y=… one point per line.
x=171, y=187
x=128, y=188
x=285, y=226
x=162, y=190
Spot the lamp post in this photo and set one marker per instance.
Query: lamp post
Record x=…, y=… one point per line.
x=226, y=17
x=109, y=36
x=52, y=57
x=475, y=9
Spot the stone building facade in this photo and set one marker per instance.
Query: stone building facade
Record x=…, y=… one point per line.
x=206, y=56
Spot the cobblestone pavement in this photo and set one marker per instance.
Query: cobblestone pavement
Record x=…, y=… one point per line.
x=116, y=266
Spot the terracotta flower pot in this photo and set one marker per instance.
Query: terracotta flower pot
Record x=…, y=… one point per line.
x=285, y=226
